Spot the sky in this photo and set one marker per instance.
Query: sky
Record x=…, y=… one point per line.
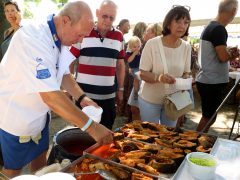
x=149, y=11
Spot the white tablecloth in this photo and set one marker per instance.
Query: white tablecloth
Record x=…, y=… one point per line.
x=235, y=75
x=228, y=154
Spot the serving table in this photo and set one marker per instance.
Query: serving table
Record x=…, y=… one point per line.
x=228, y=154
x=234, y=75
x=226, y=151
x=133, y=143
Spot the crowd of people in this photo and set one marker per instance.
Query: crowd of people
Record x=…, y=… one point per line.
x=108, y=71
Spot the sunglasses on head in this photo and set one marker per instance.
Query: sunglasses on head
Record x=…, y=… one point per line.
x=180, y=6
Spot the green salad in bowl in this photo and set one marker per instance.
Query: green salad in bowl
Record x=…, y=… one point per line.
x=201, y=165
x=203, y=161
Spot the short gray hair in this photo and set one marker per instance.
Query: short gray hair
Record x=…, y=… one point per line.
x=107, y=2
x=227, y=5
x=74, y=10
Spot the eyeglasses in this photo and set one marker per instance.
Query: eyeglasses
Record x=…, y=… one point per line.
x=180, y=6
x=106, y=17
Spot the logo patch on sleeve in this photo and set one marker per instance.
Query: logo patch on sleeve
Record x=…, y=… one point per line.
x=43, y=74
x=42, y=71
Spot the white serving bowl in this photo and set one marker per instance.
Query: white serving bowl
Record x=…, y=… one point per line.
x=199, y=171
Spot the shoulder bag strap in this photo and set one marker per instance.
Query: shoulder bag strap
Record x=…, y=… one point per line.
x=9, y=35
x=162, y=54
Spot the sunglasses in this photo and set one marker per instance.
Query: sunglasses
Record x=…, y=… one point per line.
x=106, y=17
x=180, y=6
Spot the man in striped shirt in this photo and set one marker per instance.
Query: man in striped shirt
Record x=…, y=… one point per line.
x=101, y=57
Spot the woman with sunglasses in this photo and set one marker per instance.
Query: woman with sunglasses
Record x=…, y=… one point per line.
x=12, y=13
x=178, y=57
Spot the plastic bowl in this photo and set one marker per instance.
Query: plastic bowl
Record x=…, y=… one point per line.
x=183, y=84
x=57, y=176
x=93, y=112
x=203, y=171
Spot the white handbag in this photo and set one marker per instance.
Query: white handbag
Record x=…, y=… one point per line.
x=178, y=103
x=181, y=99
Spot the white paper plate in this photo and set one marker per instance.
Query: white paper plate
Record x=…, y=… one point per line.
x=26, y=177
x=58, y=176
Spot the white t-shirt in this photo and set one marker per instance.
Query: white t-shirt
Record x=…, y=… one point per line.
x=29, y=67
x=178, y=61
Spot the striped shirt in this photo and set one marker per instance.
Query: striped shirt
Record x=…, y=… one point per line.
x=97, y=63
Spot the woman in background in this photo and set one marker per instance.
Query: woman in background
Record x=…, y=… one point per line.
x=152, y=30
x=124, y=26
x=125, y=110
x=12, y=13
x=139, y=30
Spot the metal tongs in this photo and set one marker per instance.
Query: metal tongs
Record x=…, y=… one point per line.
x=103, y=173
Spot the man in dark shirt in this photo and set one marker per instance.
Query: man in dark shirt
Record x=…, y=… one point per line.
x=214, y=56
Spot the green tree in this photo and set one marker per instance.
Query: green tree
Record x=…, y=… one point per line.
x=35, y=1
x=27, y=14
x=55, y=1
x=60, y=1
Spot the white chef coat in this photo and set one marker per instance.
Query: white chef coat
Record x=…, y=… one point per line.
x=32, y=64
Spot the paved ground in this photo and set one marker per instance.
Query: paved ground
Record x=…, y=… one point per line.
x=224, y=120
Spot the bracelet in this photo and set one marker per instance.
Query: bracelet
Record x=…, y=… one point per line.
x=81, y=98
x=160, y=77
x=87, y=125
x=121, y=89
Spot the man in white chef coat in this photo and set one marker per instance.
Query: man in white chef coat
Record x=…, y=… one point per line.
x=34, y=68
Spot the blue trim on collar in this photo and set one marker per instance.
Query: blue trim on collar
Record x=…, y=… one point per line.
x=53, y=31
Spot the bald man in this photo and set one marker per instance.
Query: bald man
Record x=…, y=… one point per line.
x=32, y=72
x=101, y=58
x=214, y=56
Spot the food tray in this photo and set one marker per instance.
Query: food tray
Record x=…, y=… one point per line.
x=105, y=150
x=87, y=155
x=228, y=154
x=146, y=129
